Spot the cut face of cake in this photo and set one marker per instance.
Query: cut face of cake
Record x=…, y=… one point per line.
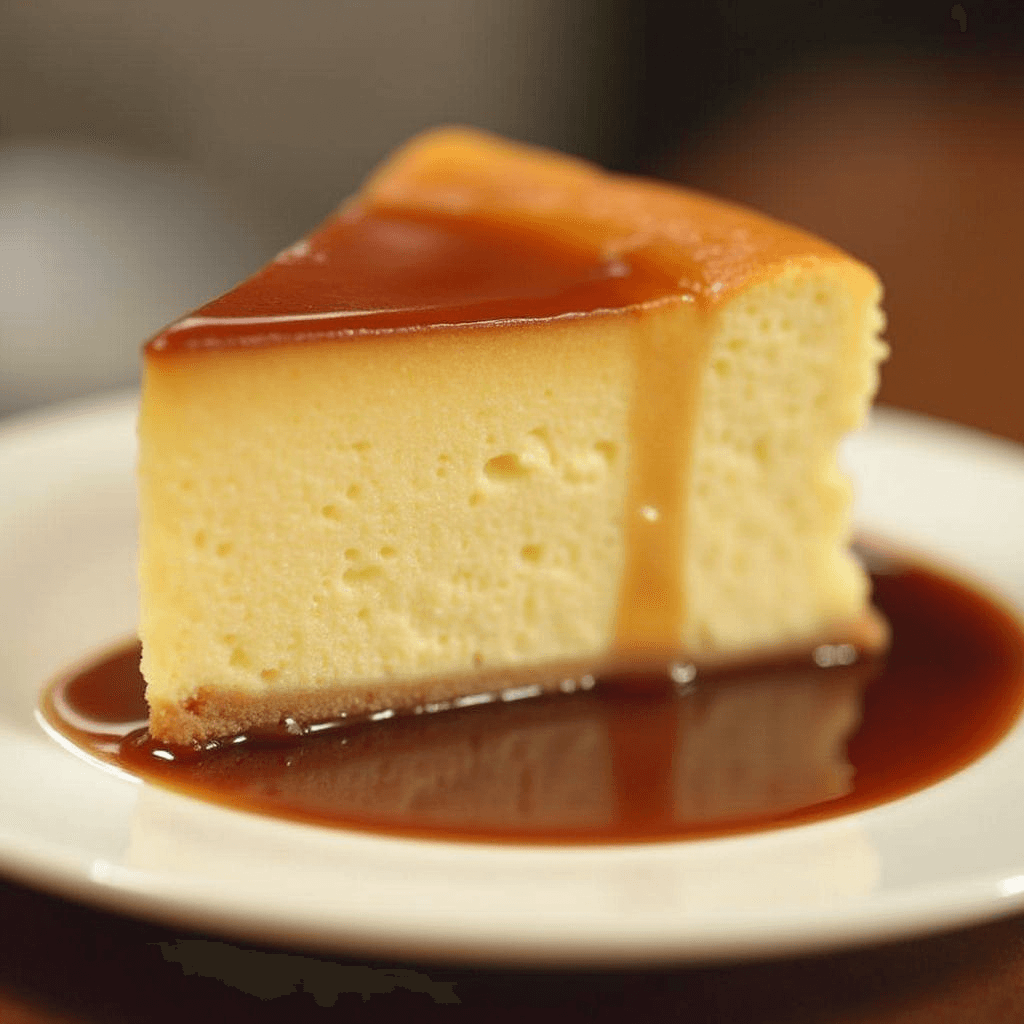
x=504, y=420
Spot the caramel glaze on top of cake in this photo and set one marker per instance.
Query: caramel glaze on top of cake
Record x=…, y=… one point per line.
x=440, y=239
x=437, y=249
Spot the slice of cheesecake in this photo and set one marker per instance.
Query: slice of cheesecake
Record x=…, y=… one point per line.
x=502, y=421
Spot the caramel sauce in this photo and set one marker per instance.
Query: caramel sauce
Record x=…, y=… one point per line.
x=615, y=763
x=464, y=228
x=374, y=272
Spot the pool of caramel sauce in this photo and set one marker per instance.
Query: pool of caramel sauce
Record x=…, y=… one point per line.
x=628, y=760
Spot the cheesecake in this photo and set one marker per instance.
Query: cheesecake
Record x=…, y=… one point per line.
x=505, y=422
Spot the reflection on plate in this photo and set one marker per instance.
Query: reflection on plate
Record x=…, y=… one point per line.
x=948, y=855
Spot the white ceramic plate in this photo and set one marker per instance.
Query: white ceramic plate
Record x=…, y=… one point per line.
x=949, y=855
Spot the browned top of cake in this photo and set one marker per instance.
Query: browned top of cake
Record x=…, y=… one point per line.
x=460, y=228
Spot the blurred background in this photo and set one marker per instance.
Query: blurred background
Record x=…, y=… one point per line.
x=153, y=153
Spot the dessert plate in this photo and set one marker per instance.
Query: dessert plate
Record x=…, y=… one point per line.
x=946, y=856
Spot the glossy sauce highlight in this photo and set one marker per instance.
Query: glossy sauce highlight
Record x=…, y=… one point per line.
x=370, y=273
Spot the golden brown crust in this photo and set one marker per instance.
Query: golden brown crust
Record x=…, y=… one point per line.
x=212, y=712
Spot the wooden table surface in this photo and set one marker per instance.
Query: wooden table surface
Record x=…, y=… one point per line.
x=60, y=962
x=918, y=175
